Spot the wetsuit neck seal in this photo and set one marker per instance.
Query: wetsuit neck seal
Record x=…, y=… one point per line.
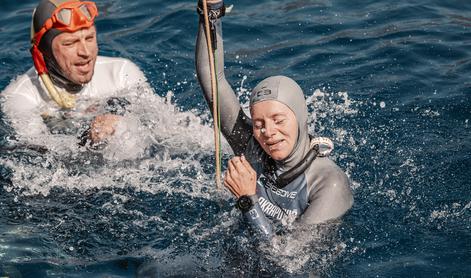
x=59, y=79
x=319, y=147
x=287, y=177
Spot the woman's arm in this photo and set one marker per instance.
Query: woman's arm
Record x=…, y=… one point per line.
x=235, y=125
x=241, y=180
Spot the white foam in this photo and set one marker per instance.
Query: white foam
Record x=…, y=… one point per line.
x=180, y=138
x=311, y=245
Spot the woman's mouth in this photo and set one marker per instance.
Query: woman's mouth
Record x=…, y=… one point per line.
x=274, y=145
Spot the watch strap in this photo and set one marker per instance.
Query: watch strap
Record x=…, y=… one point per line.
x=215, y=11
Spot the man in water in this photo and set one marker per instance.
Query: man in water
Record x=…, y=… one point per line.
x=280, y=173
x=69, y=79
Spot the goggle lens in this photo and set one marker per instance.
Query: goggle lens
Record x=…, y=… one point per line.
x=86, y=11
x=69, y=17
x=64, y=16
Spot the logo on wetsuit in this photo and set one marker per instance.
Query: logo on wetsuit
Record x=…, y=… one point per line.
x=264, y=93
x=279, y=204
x=276, y=211
x=269, y=185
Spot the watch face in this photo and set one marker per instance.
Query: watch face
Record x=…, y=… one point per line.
x=244, y=203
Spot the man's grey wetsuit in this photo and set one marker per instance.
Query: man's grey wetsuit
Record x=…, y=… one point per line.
x=320, y=193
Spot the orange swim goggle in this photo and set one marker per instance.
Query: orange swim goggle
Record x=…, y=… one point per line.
x=69, y=17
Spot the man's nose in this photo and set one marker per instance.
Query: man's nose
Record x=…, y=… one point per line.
x=83, y=49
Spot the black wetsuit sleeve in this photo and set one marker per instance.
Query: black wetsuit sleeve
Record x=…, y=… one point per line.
x=235, y=125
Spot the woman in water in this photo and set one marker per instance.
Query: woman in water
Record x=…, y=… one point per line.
x=280, y=172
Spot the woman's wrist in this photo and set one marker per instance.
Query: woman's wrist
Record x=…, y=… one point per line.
x=216, y=9
x=246, y=202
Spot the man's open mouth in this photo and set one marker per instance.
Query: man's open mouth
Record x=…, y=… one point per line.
x=83, y=66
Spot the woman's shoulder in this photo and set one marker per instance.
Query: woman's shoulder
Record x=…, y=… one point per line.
x=325, y=173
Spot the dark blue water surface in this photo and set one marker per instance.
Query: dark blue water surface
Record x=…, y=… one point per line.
x=388, y=81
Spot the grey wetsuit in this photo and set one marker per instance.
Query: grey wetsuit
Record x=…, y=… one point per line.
x=320, y=193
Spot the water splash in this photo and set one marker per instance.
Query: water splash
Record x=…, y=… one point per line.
x=153, y=138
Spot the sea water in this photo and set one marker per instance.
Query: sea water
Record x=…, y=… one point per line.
x=388, y=82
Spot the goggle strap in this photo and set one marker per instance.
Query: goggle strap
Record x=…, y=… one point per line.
x=32, y=33
x=38, y=60
x=55, y=2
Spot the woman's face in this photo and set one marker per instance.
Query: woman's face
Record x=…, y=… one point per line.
x=275, y=128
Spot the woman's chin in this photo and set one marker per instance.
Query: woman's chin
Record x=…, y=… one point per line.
x=278, y=155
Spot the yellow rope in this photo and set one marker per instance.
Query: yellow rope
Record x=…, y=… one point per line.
x=63, y=99
x=215, y=96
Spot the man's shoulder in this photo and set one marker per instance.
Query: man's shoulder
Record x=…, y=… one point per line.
x=121, y=67
x=22, y=84
x=105, y=60
x=115, y=73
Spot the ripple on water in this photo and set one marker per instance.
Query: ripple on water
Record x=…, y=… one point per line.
x=386, y=81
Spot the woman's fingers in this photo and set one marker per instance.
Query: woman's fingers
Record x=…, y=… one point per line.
x=228, y=186
x=231, y=181
x=240, y=177
x=235, y=167
x=231, y=185
x=247, y=165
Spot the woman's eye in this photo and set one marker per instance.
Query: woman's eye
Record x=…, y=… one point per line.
x=280, y=121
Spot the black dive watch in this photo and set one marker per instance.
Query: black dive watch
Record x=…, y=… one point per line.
x=244, y=203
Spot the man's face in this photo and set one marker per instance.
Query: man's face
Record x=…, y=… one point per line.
x=275, y=128
x=76, y=54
